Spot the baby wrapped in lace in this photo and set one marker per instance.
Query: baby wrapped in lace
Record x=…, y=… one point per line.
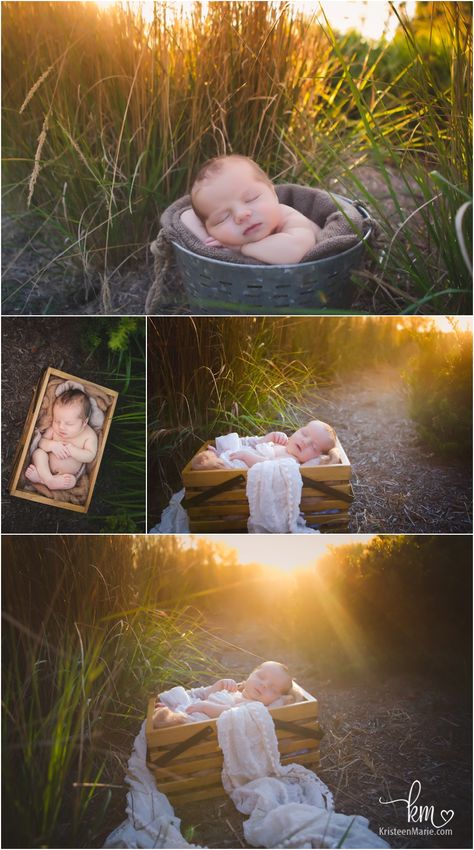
x=270, y=683
x=313, y=444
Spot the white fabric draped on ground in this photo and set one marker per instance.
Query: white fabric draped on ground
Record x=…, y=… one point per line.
x=289, y=806
x=151, y=821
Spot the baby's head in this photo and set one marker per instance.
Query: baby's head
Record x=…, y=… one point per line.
x=71, y=412
x=268, y=682
x=313, y=440
x=207, y=459
x=235, y=200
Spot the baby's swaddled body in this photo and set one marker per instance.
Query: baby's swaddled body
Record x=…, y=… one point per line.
x=270, y=684
x=178, y=699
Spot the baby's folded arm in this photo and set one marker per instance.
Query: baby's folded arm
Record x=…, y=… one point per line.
x=281, y=248
x=207, y=707
x=248, y=457
x=85, y=455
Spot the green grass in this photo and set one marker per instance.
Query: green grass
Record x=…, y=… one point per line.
x=99, y=141
x=121, y=344
x=86, y=640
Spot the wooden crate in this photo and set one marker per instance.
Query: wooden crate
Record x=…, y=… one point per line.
x=215, y=499
x=21, y=459
x=187, y=762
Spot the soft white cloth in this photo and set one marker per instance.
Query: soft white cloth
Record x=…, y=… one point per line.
x=227, y=444
x=178, y=699
x=288, y=806
x=174, y=519
x=151, y=821
x=274, y=495
x=273, y=491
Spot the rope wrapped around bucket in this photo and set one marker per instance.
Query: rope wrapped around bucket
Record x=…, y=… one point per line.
x=341, y=223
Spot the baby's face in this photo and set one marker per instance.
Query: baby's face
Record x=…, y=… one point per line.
x=267, y=683
x=237, y=206
x=208, y=460
x=309, y=442
x=67, y=420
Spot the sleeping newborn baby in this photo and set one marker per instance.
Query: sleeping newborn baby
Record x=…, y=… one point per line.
x=235, y=205
x=270, y=684
x=66, y=446
x=314, y=442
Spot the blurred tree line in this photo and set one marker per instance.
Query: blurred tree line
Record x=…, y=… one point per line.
x=398, y=603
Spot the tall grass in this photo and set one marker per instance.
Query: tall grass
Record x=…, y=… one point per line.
x=106, y=118
x=213, y=376
x=86, y=640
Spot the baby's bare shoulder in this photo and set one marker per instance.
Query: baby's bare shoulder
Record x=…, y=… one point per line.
x=292, y=219
x=89, y=436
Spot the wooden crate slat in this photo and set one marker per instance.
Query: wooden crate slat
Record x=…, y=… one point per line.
x=228, y=511
x=196, y=526
x=168, y=735
x=195, y=774
x=211, y=747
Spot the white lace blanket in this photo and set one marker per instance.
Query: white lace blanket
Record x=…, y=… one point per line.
x=151, y=821
x=288, y=806
x=274, y=494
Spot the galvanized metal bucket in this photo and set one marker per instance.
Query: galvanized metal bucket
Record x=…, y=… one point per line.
x=214, y=286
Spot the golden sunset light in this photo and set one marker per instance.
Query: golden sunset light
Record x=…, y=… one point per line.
x=285, y=552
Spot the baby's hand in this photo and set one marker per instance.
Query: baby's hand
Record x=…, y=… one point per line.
x=276, y=437
x=240, y=455
x=200, y=705
x=60, y=450
x=226, y=685
x=213, y=243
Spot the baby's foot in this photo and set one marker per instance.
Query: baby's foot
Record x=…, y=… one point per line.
x=32, y=474
x=61, y=482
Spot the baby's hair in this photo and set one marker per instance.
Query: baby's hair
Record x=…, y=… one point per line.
x=331, y=431
x=69, y=397
x=214, y=165
x=284, y=669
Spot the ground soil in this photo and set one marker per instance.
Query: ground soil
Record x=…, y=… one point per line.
x=381, y=733
x=400, y=485
x=28, y=347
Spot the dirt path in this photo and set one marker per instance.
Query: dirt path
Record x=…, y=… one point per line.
x=400, y=485
x=380, y=735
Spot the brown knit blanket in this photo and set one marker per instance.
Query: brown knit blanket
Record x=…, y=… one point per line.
x=100, y=401
x=341, y=223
